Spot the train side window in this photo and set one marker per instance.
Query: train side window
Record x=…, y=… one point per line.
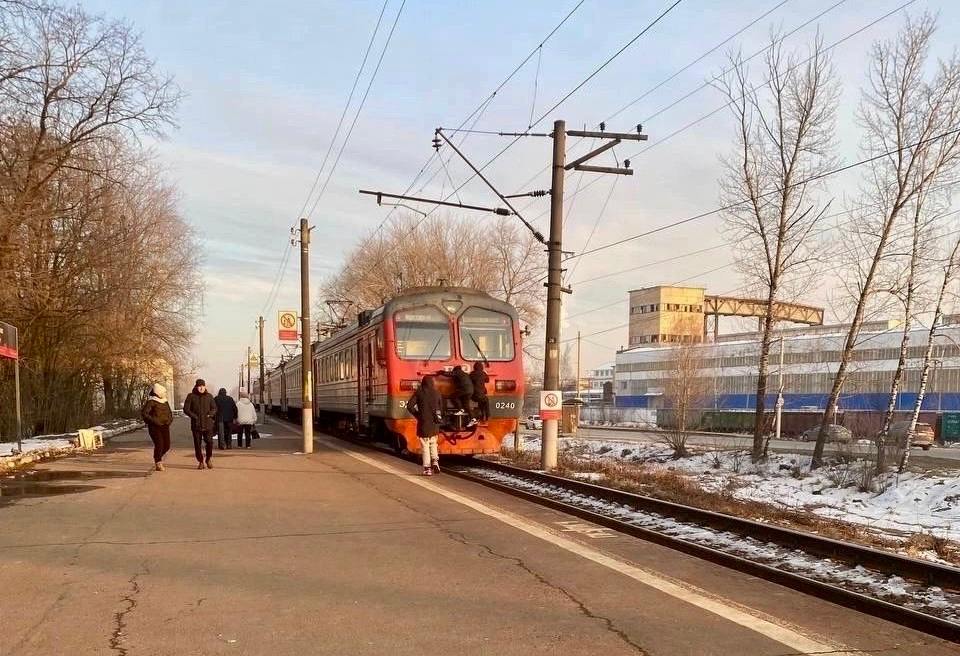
x=381, y=356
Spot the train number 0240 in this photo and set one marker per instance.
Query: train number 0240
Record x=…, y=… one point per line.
x=506, y=405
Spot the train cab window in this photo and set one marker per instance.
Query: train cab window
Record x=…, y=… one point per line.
x=486, y=335
x=422, y=334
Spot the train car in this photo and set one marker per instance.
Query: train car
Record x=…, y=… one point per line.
x=363, y=375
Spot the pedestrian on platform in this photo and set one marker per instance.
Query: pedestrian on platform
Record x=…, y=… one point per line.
x=425, y=406
x=246, y=418
x=202, y=410
x=479, y=378
x=158, y=416
x=226, y=416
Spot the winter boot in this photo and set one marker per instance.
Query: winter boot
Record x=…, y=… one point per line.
x=159, y=466
x=428, y=471
x=200, y=465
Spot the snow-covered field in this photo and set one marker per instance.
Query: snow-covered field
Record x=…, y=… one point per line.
x=912, y=502
x=65, y=441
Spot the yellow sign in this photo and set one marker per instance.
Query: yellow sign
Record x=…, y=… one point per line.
x=287, y=321
x=254, y=360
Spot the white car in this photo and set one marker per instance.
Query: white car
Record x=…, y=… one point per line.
x=534, y=422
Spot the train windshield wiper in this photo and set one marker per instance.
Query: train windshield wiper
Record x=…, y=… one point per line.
x=434, y=350
x=479, y=350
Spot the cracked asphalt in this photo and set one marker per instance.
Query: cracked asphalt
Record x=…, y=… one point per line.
x=275, y=553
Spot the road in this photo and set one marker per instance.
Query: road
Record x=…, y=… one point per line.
x=347, y=551
x=936, y=457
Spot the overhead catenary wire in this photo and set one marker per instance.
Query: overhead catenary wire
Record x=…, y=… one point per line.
x=576, y=144
x=696, y=122
x=729, y=206
x=700, y=251
x=284, y=259
x=556, y=105
x=475, y=116
x=356, y=115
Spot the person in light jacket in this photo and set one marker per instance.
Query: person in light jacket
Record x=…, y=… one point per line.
x=246, y=418
x=158, y=416
x=425, y=405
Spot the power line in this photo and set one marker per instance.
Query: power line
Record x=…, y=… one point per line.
x=727, y=104
x=477, y=113
x=608, y=61
x=559, y=102
x=707, y=54
x=346, y=107
x=284, y=259
x=356, y=116
x=812, y=178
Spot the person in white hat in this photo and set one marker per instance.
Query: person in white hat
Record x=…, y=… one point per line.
x=158, y=416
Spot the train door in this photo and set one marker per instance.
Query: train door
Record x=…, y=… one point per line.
x=283, y=390
x=361, y=383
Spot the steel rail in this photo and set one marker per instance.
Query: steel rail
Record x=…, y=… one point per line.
x=943, y=576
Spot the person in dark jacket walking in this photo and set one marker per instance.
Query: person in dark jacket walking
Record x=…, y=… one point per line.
x=425, y=406
x=158, y=416
x=226, y=415
x=479, y=378
x=202, y=410
x=462, y=392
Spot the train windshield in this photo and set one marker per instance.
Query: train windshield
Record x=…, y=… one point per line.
x=486, y=335
x=422, y=334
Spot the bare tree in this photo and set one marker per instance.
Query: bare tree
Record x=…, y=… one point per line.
x=920, y=244
x=414, y=252
x=949, y=274
x=784, y=133
x=685, y=389
x=912, y=129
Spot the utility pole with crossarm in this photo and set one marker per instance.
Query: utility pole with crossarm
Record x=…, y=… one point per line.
x=554, y=242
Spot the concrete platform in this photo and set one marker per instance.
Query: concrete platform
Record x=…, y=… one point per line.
x=347, y=551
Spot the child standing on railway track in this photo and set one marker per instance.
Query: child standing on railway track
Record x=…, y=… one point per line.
x=202, y=410
x=425, y=406
x=158, y=416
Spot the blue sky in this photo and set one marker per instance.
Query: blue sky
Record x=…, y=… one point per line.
x=266, y=83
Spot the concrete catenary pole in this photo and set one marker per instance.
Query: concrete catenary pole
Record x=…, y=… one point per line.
x=306, y=336
x=248, y=370
x=778, y=419
x=262, y=373
x=551, y=360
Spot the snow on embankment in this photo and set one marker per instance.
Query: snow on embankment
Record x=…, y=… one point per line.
x=47, y=446
x=894, y=506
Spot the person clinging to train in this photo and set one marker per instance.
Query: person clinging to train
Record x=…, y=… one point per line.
x=425, y=406
x=462, y=393
x=479, y=378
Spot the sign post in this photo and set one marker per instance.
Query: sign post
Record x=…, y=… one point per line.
x=287, y=326
x=551, y=405
x=10, y=348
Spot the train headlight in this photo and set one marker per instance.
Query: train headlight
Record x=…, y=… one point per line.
x=505, y=385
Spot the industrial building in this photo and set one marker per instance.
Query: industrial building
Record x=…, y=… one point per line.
x=680, y=315
x=810, y=359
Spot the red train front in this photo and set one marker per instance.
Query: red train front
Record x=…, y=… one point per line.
x=430, y=331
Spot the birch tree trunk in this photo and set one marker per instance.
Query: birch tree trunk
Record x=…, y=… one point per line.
x=948, y=273
x=784, y=132
x=911, y=129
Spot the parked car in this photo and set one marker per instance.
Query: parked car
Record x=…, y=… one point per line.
x=835, y=433
x=923, y=435
x=534, y=422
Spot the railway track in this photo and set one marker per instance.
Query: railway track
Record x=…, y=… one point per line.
x=919, y=594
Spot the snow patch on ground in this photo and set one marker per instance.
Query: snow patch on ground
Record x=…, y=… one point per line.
x=64, y=441
x=900, y=505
